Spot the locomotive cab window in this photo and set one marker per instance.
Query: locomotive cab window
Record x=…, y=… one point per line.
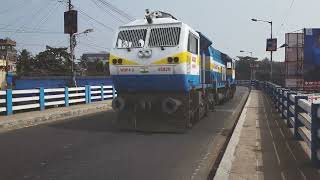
x=229, y=65
x=131, y=38
x=193, y=44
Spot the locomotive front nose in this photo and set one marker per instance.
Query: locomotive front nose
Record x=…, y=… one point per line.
x=118, y=104
x=145, y=105
x=170, y=105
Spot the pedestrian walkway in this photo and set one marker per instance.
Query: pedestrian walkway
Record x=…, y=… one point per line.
x=27, y=119
x=262, y=147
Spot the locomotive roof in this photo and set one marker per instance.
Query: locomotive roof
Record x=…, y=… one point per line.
x=225, y=57
x=155, y=21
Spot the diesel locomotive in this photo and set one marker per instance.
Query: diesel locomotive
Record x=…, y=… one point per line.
x=167, y=75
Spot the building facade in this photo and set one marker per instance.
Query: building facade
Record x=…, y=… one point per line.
x=8, y=60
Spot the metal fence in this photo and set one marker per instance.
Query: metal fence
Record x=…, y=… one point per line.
x=14, y=101
x=301, y=112
x=247, y=83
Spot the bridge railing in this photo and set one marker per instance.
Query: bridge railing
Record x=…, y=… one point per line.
x=247, y=82
x=301, y=112
x=15, y=101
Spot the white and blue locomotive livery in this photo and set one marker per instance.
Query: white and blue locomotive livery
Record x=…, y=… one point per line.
x=166, y=74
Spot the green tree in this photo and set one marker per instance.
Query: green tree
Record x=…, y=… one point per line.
x=53, y=61
x=243, y=70
x=25, y=63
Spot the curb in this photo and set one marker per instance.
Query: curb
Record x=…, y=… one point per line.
x=216, y=146
x=29, y=119
x=225, y=166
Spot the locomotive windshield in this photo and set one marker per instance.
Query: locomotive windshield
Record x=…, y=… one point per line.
x=164, y=37
x=131, y=38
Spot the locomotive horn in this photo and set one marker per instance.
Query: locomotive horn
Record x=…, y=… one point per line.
x=170, y=105
x=118, y=104
x=148, y=16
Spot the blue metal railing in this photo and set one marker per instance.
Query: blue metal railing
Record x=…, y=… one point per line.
x=13, y=101
x=301, y=113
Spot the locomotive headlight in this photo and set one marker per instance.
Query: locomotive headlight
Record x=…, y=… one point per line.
x=114, y=61
x=176, y=59
x=140, y=54
x=119, y=61
x=170, y=59
x=147, y=53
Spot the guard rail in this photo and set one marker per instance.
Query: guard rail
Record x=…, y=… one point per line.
x=14, y=101
x=301, y=112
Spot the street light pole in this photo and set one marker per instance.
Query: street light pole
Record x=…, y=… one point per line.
x=73, y=44
x=252, y=75
x=271, y=56
x=271, y=52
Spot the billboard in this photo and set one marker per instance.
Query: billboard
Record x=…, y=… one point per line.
x=294, y=60
x=271, y=45
x=311, y=63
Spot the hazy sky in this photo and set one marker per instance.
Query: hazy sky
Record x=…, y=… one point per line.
x=226, y=22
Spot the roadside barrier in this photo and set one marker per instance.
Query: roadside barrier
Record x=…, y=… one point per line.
x=301, y=112
x=13, y=101
x=247, y=82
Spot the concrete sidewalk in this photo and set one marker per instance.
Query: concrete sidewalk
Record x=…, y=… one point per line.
x=33, y=118
x=261, y=147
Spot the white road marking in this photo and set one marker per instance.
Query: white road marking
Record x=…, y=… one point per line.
x=276, y=123
x=283, y=176
x=294, y=157
x=302, y=174
x=268, y=125
x=282, y=133
x=275, y=149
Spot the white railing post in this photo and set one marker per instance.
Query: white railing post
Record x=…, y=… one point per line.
x=297, y=110
x=315, y=134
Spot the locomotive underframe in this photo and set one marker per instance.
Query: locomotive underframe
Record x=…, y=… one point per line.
x=194, y=106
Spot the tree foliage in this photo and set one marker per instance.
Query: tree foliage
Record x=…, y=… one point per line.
x=25, y=63
x=262, y=69
x=51, y=62
x=243, y=71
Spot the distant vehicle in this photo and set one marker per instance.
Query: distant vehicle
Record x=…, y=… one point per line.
x=167, y=75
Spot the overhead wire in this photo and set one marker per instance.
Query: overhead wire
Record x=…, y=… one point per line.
x=29, y=32
x=47, y=16
x=95, y=20
x=13, y=7
x=117, y=10
x=285, y=18
x=106, y=10
x=35, y=14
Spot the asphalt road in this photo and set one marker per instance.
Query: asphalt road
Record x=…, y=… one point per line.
x=89, y=147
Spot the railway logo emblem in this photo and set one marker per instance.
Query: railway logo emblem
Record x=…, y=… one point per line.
x=144, y=70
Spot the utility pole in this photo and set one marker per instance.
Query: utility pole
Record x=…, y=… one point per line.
x=71, y=49
x=271, y=56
